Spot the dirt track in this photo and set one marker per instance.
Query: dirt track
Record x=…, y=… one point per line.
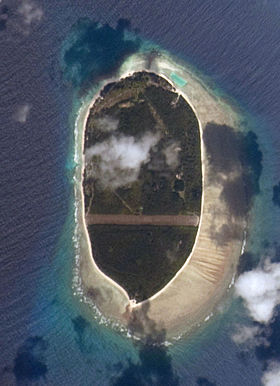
x=126, y=219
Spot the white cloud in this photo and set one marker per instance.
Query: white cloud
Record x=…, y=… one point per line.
x=271, y=377
x=245, y=334
x=250, y=336
x=117, y=161
x=171, y=154
x=22, y=113
x=107, y=123
x=260, y=289
x=30, y=12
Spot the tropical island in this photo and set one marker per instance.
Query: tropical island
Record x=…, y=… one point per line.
x=138, y=200
x=142, y=182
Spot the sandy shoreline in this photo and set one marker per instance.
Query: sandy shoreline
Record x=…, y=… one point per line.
x=108, y=296
x=201, y=283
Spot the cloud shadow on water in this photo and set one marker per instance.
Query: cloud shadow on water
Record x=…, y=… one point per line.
x=29, y=364
x=276, y=195
x=155, y=365
x=236, y=164
x=4, y=15
x=93, y=50
x=267, y=345
x=201, y=381
x=82, y=329
x=247, y=262
x=228, y=152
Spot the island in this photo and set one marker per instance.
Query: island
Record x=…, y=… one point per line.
x=142, y=182
x=188, y=221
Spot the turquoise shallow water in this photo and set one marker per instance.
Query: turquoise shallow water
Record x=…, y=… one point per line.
x=48, y=335
x=178, y=80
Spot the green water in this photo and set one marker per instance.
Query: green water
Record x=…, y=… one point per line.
x=178, y=80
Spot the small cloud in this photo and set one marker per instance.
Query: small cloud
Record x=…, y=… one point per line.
x=171, y=153
x=107, y=124
x=117, y=161
x=30, y=12
x=271, y=376
x=249, y=335
x=260, y=289
x=22, y=113
x=245, y=334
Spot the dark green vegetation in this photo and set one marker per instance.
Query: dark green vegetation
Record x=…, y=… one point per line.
x=142, y=259
x=144, y=112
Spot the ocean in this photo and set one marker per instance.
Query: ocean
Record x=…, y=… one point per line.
x=48, y=336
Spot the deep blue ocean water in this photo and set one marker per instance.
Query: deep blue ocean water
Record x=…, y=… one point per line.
x=46, y=335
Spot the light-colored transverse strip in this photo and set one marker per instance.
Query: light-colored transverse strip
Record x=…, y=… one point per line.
x=126, y=219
